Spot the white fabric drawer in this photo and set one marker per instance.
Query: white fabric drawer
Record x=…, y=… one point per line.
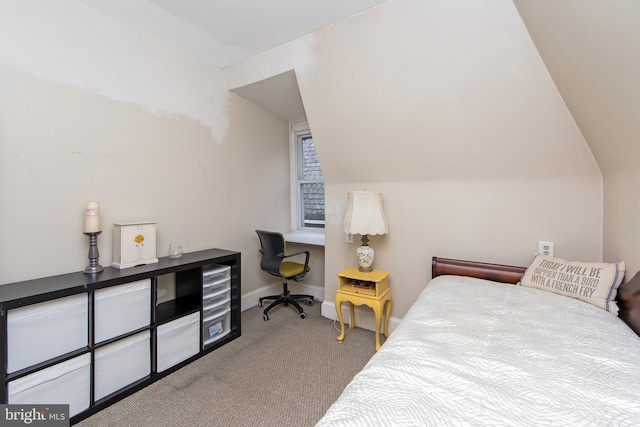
x=64, y=383
x=40, y=332
x=178, y=340
x=121, y=309
x=121, y=363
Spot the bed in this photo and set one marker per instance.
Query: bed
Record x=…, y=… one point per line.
x=474, y=350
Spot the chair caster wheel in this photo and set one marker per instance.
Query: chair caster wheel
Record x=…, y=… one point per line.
x=265, y=317
x=310, y=301
x=303, y=315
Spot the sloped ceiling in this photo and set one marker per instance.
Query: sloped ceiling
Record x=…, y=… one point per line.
x=279, y=94
x=225, y=31
x=591, y=49
x=222, y=32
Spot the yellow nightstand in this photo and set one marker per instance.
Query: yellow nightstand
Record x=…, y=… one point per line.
x=358, y=288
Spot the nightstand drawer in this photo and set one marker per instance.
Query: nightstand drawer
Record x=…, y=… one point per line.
x=358, y=288
x=373, y=284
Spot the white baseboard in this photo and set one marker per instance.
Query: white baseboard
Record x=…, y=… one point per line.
x=251, y=299
x=364, y=316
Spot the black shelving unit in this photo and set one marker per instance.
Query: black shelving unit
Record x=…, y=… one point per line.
x=188, y=272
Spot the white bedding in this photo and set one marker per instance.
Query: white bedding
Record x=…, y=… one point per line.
x=472, y=352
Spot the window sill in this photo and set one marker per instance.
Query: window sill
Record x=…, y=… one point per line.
x=307, y=237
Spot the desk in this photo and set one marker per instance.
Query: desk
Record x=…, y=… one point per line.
x=370, y=289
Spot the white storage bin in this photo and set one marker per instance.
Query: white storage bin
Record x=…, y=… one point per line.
x=42, y=331
x=121, y=363
x=178, y=340
x=216, y=327
x=64, y=383
x=121, y=309
x=215, y=273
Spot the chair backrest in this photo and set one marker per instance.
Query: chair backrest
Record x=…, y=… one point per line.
x=272, y=249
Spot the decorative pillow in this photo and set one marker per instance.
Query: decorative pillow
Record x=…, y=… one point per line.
x=595, y=283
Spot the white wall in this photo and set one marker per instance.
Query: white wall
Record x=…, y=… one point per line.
x=91, y=109
x=447, y=108
x=499, y=221
x=591, y=50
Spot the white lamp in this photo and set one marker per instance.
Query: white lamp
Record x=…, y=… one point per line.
x=365, y=217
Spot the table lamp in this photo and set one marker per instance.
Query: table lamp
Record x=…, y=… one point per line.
x=365, y=217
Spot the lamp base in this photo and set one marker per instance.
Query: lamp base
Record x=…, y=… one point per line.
x=365, y=256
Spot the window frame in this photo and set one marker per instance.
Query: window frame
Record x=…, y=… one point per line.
x=297, y=130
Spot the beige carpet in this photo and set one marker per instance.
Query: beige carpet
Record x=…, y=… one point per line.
x=283, y=372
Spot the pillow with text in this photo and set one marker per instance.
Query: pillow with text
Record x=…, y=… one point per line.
x=595, y=283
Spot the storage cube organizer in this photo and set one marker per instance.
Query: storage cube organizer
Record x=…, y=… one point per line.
x=121, y=363
x=88, y=341
x=53, y=328
x=178, y=340
x=121, y=309
x=64, y=383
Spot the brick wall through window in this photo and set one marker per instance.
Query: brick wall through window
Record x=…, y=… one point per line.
x=312, y=192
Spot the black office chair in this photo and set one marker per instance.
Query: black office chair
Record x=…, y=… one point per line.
x=273, y=249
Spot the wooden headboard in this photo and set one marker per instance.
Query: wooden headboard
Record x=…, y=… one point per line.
x=480, y=270
x=629, y=302
x=628, y=297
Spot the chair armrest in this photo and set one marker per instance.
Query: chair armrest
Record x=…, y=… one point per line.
x=306, y=260
x=293, y=254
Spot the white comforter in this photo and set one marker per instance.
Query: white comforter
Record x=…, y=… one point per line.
x=472, y=352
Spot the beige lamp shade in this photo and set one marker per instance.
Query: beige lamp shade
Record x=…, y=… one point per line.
x=364, y=213
x=365, y=216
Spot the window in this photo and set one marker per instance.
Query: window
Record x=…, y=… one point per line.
x=307, y=184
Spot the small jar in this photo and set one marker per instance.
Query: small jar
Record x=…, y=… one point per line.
x=175, y=251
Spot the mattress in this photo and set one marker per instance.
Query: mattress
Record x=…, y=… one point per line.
x=472, y=352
